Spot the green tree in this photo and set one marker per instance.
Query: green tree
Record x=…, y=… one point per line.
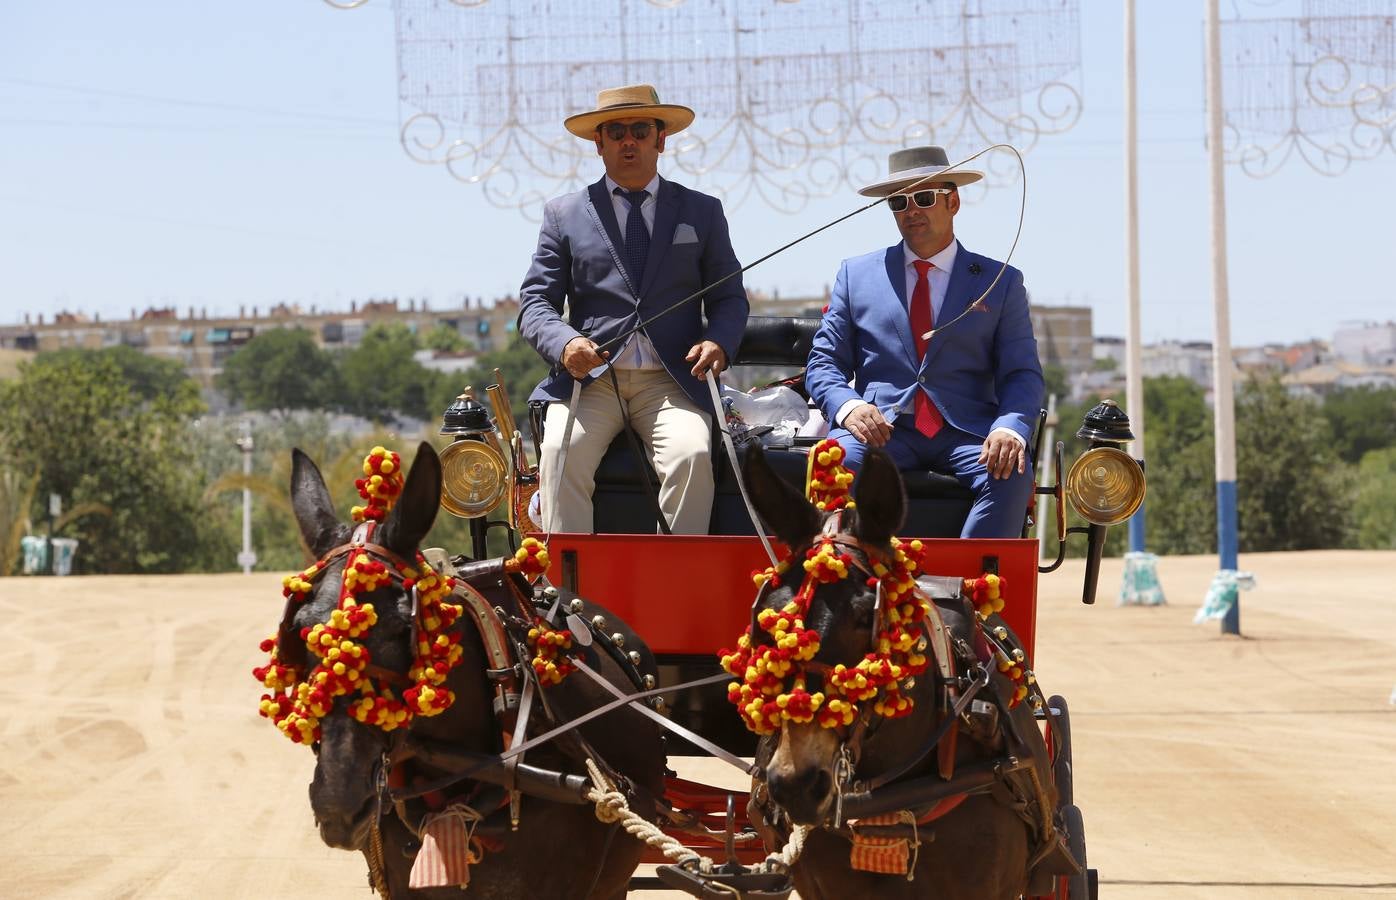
x=1362, y=419
x=275, y=535
x=383, y=382
x=1292, y=491
x=1180, y=506
x=444, y=338
x=1374, y=502
x=162, y=382
x=93, y=436
x=281, y=369
x=519, y=366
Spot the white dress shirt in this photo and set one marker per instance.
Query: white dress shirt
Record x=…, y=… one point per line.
x=943, y=264
x=638, y=352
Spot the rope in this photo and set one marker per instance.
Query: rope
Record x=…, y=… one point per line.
x=611, y=807
x=792, y=849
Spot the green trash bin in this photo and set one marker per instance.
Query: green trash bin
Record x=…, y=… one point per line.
x=35, y=550
x=63, y=551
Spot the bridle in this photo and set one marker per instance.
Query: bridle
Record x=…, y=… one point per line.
x=867, y=558
x=290, y=644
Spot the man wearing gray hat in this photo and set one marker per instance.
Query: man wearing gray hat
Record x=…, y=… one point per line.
x=628, y=247
x=894, y=366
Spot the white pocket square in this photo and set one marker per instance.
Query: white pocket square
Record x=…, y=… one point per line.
x=684, y=234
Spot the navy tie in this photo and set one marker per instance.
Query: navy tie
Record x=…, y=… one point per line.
x=637, y=236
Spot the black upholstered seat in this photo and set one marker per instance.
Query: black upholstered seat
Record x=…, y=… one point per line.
x=938, y=503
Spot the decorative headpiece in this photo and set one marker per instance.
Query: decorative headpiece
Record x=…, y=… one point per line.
x=299, y=700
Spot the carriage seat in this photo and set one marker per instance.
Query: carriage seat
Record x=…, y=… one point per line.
x=938, y=503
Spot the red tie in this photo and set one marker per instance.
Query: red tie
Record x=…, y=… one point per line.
x=928, y=418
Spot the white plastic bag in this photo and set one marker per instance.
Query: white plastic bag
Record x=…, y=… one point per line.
x=775, y=413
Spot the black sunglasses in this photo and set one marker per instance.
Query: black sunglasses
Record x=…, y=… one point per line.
x=638, y=130
x=924, y=199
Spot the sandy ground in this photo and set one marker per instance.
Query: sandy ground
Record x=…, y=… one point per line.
x=133, y=764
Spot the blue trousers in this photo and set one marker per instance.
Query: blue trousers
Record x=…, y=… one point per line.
x=1000, y=504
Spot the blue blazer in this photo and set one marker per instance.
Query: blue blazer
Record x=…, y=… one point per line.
x=982, y=372
x=581, y=259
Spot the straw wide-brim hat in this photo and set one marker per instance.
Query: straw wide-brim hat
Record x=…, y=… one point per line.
x=906, y=167
x=634, y=100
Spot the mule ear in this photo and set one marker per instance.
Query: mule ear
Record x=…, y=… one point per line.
x=793, y=518
x=314, y=509
x=881, y=499
x=415, y=510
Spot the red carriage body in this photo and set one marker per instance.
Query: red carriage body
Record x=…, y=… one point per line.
x=706, y=601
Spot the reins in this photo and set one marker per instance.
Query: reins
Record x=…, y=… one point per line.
x=641, y=324
x=625, y=335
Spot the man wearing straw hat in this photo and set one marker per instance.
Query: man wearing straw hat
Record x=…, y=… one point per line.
x=910, y=357
x=625, y=249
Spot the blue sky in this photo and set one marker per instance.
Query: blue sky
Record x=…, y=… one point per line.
x=223, y=154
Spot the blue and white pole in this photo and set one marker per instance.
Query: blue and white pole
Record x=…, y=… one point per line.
x=1134, y=379
x=1222, y=400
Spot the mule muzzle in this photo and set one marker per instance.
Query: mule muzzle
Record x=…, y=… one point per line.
x=806, y=794
x=346, y=830
x=349, y=772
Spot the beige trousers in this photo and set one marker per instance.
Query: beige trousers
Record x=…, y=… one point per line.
x=675, y=432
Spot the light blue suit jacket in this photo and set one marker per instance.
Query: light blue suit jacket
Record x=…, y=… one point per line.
x=581, y=259
x=982, y=372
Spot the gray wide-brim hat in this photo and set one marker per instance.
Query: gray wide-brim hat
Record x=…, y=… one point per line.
x=906, y=167
x=635, y=100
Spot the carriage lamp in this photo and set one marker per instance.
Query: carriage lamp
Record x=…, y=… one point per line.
x=1105, y=484
x=474, y=478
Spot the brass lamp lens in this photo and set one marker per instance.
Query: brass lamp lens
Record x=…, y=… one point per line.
x=1105, y=486
x=473, y=479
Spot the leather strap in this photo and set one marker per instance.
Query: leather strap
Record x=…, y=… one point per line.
x=720, y=412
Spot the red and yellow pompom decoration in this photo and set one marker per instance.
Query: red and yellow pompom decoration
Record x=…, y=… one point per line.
x=987, y=593
x=549, y=645
x=549, y=658
x=530, y=560
x=380, y=486
x=1015, y=668
x=771, y=686
x=298, y=701
x=826, y=480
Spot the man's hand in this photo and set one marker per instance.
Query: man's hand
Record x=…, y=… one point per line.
x=867, y=424
x=579, y=356
x=1002, y=454
x=706, y=355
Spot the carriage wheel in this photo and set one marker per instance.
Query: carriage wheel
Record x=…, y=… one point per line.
x=1060, y=724
x=1080, y=886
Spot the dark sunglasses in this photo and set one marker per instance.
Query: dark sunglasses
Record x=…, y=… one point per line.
x=924, y=199
x=638, y=130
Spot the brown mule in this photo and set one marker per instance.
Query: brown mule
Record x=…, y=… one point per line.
x=558, y=849
x=975, y=844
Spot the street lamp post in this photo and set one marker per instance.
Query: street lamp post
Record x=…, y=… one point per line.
x=1134, y=379
x=248, y=557
x=1223, y=403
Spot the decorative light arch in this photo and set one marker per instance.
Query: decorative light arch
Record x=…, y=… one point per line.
x=1319, y=87
x=795, y=99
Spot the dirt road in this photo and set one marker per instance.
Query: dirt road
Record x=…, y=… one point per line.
x=133, y=763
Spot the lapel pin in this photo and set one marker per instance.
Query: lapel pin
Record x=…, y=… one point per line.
x=974, y=269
